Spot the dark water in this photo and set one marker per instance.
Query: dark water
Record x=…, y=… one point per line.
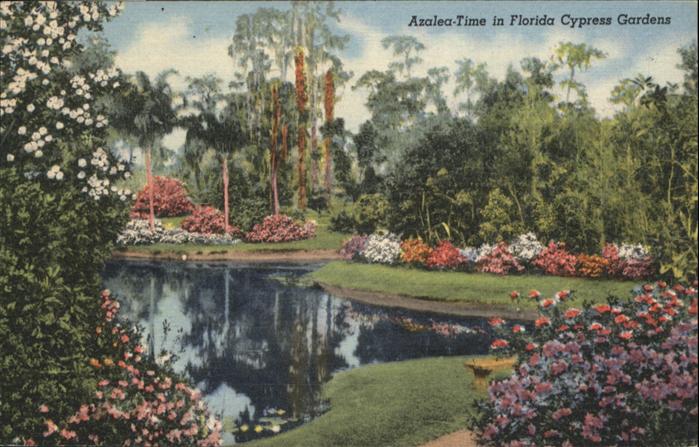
x=260, y=347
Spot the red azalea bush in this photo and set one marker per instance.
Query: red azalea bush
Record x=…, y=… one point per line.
x=637, y=267
x=500, y=261
x=556, y=260
x=414, y=251
x=445, y=256
x=137, y=402
x=592, y=266
x=622, y=374
x=207, y=220
x=169, y=199
x=610, y=252
x=280, y=228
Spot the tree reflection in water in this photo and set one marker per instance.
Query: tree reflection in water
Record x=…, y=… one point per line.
x=257, y=346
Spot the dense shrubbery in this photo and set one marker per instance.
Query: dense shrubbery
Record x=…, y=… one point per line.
x=208, y=220
x=135, y=395
x=623, y=373
x=366, y=215
x=382, y=248
x=169, y=199
x=353, y=247
x=414, y=251
x=499, y=260
x=280, y=228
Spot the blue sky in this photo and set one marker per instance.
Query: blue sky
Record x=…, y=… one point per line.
x=193, y=37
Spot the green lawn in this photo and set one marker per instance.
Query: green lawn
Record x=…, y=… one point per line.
x=398, y=404
x=478, y=288
x=324, y=240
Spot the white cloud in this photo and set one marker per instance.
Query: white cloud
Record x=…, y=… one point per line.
x=158, y=46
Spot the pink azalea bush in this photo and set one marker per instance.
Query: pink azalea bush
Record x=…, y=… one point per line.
x=169, y=199
x=280, y=228
x=628, y=261
x=207, y=220
x=499, y=261
x=353, y=247
x=556, y=260
x=622, y=374
x=136, y=402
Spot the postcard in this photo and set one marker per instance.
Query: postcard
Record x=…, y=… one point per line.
x=348, y=224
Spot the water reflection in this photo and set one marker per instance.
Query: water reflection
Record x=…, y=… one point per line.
x=260, y=348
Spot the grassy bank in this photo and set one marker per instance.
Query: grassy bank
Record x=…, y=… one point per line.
x=472, y=288
x=393, y=404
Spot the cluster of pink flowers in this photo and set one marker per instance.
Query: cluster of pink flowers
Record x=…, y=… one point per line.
x=556, y=260
x=137, y=402
x=444, y=256
x=169, y=199
x=499, y=261
x=353, y=247
x=208, y=220
x=622, y=373
x=280, y=228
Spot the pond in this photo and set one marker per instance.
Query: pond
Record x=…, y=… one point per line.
x=259, y=346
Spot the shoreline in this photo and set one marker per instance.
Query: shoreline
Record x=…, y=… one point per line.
x=381, y=299
x=233, y=256
x=425, y=304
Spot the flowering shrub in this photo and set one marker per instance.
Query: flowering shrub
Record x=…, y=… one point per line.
x=208, y=220
x=556, y=260
x=382, y=248
x=414, y=251
x=592, y=266
x=622, y=373
x=280, y=228
x=353, y=247
x=628, y=261
x=169, y=199
x=137, y=232
x=526, y=247
x=499, y=261
x=136, y=402
x=470, y=254
x=445, y=256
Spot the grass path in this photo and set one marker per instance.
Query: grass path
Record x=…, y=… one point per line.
x=399, y=404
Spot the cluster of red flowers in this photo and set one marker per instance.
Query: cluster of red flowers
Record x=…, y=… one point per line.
x=621, y=373
x=208, y=220
x=445, y=256
x=169, y=199
x=280, y=228
x=137, y=402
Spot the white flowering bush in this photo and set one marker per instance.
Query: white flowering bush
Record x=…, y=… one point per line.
x=484, y=251
x=526, y=247
x=50, y=120
x=138, y=232
x=382, y=249
x=633, y=251
x=470, y=254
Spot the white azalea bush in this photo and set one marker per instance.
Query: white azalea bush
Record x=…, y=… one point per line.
x=382, y=249
x=138, y=232
x=526, y=247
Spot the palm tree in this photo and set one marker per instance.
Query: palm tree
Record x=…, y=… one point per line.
x=214, y=124
x=149, y=115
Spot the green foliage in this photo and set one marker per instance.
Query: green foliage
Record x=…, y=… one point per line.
x=370, y=213
x=53, y=242
x=496, y=222
x=342, y=221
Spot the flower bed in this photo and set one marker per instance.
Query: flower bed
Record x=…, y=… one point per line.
x=280, y=228
x=622, y=373
x=169, y=199
x=524, y=254
x=138, y=232
x=136, y=402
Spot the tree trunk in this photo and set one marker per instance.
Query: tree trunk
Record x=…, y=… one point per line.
x=329, y=117
x=273, y=156
x=149, y=181
x=225, y=192
x=301, y=100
